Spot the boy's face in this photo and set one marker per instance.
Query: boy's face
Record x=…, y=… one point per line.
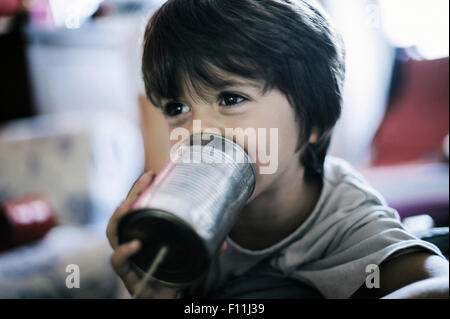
x=244, y=105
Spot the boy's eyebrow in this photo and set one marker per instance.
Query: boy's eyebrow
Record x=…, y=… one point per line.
x=228, y=84
x=232, y=83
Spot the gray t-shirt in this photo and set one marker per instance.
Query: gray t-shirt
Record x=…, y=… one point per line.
x=350, y=228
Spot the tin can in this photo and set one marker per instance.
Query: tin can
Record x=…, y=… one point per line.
x=190, y=208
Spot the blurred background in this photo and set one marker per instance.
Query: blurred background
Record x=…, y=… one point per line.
x=76, y=129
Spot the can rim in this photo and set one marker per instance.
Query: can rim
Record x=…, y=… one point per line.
x=160, y=213
x=235, y=145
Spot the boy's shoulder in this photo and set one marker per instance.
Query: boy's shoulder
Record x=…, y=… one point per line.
x=345, y=188
x=338, y=170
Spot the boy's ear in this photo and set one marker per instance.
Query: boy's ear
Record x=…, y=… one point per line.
x=314, y=136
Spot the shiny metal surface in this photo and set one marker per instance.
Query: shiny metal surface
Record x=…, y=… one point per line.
x=191, y=206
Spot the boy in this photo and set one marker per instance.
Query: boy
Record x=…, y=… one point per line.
x=314, y=227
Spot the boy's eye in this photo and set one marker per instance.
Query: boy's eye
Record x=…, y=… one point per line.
x=229, y=99
x=173, y=109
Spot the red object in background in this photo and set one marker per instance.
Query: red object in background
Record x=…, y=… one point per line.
x=416, y=123
x=9, y=7
x=24, y=220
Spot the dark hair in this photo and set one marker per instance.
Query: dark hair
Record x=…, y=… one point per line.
x=287, y=44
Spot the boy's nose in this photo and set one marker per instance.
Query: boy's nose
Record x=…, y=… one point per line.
x=205, y=120
x=200, y=126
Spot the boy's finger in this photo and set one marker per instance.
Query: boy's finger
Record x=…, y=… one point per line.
x=125, y=206
x=142, y=182
x=222, y=248
x=119, y=259
x=111, y=229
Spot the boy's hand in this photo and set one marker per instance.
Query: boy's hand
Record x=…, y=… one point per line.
x=122, y=253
